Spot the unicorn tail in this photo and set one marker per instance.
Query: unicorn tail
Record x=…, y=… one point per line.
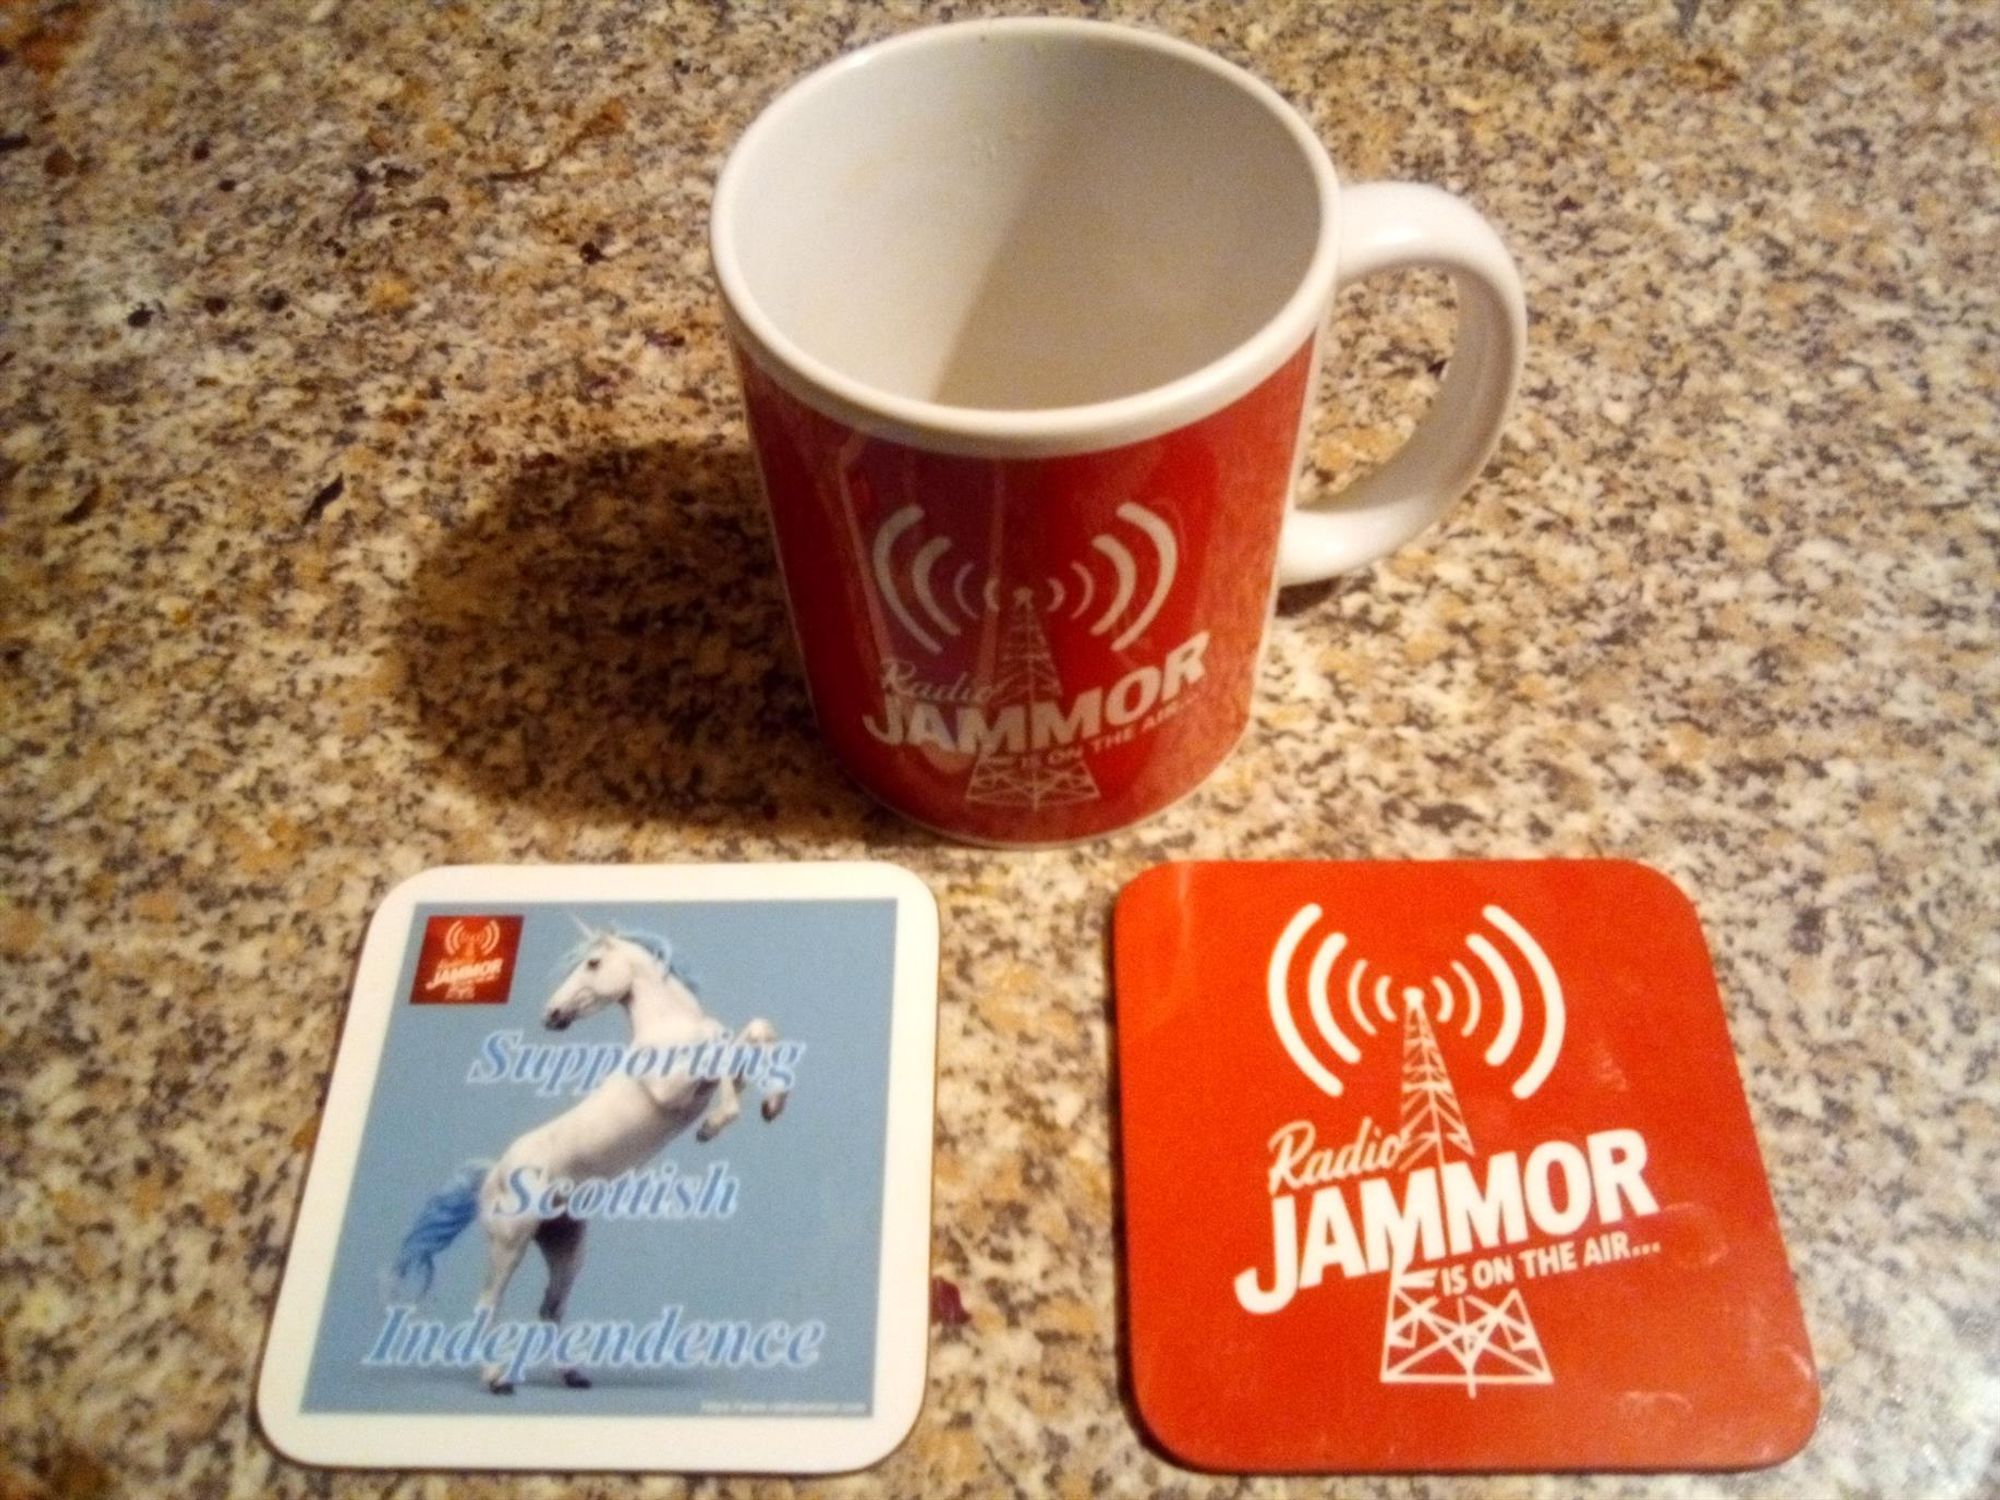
x=441, y=1220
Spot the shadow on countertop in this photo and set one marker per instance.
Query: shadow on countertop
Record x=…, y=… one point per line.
x=609, y=637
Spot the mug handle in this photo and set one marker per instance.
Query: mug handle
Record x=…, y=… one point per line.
x=1396, y=226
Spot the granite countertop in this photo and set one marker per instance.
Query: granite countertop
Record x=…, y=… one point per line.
x=373, y=494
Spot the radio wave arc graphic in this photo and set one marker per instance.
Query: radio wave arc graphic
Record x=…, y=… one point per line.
x=1502, y=1045
x=1276, y=982
x=1354, y=996
x=1316, y=998
x=1128, y=580
x=471, y=940
x=1555, y=1010
x=920, y=579
x=1086, y=587
x=1471, y=996
x=1166, y=552
x=885, y=578
x=919, y=599
x=1512, y=1000
x=1512, y=1014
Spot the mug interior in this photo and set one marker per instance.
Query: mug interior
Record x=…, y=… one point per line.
x=1022, y=216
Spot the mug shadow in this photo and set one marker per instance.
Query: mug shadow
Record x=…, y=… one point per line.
x=1304, y=598
x=610, y=635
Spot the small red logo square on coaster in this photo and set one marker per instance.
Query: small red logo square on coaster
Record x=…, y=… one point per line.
x=466, y=961
x=1444, y=1167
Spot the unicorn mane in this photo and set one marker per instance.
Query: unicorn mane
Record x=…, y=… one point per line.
x=661, y=952
x=652, y=944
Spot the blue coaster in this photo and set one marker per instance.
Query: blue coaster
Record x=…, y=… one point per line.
x=621, y=1168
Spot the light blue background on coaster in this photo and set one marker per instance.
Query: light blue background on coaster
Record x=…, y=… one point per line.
x=805, y=1239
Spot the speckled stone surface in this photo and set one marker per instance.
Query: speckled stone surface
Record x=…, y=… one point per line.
x=373, y=494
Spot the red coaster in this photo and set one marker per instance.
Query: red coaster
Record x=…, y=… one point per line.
x=1444, y=1167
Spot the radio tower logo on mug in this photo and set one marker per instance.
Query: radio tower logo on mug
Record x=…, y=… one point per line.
x=1456, y=1233
x=1025, y=729
x=466, y=961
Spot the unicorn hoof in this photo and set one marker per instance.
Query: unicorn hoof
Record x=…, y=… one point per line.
x=500, y=1387
x=576, y=1380
x=774, y=1107
x=706, y=1133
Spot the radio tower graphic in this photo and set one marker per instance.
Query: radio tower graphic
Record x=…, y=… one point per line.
x=1029, y=778
x=1476, y=1341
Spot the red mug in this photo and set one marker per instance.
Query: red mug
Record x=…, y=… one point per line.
x=1026, y=314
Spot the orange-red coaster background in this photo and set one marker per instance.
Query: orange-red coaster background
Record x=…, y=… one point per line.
x=1693, y=1355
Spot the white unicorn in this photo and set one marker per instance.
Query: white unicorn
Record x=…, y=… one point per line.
x=620, y=1125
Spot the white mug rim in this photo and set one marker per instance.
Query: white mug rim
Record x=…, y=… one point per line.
x=1032, y=432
